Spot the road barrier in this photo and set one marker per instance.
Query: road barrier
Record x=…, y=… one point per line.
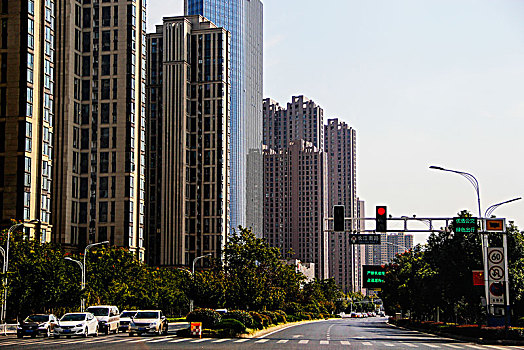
x=6, y=329
x=196, y=329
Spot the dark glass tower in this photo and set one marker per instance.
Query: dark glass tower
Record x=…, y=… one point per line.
x=243, y=19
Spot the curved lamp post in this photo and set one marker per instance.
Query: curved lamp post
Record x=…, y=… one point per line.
x=87, y=248
x=6, y=263
x=191, y=302
x=492, y=208
x=82, y=279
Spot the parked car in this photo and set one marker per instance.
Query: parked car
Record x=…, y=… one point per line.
x=108, y=317
x=34, y=325
x=125, y=319
x=353, y=315
x=148, y=321
x=78, y=323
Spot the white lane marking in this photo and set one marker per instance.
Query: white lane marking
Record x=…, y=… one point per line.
x=240, y=340
x=179, y=340
x=366, y=343
x=138, y=341
x=345, y=342
x=303, y=341
x=262, y=341
x=477, y=347
x=388, y=344
x=221, y=340
x=430, y=345
x=199, y=340
x=297, y=336
x=159, y=340
x=324, y=342
x=502, y=347
x=283, y=341
x=453, y=346
x=293, y=325
x=409, y=345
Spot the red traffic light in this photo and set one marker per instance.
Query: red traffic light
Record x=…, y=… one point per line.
x=381, y=211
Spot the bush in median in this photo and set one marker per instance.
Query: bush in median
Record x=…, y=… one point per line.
x=208, y=317
x=230, y=327
x=242, y=316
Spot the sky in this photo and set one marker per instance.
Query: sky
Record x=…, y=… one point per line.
x=433, y=82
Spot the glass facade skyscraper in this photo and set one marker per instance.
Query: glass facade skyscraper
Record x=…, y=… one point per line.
x=243, y=19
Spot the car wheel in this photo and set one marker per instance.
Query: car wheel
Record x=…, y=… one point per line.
x=96, y=332
x=33, y=335
x=166, y=329
x=130, y=334
x=47, y=333
x=159, y=332
x=116, y=330
x=85, y=333
x=56, y=336
x=108, y=330
x=68, y=336
x=19, y=336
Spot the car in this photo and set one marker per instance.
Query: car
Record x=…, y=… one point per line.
x=382, y=314
x=34, y=325
x=148, y=321
x=108, y=317
x=76, y=323
x=125, y=319
x=353, y=315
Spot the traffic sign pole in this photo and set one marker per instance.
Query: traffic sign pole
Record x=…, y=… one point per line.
x=506, y=278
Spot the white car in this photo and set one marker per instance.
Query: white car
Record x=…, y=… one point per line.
x=77, y=323
x=148, y=321
x=125, y=320
x=108, y=317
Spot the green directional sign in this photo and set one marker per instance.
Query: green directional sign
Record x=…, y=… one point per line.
x=465, y=225
x=374, y=276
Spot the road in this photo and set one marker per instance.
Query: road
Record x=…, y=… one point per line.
x=368, y=334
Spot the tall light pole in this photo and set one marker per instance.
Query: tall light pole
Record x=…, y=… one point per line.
x=191, y=302
x=89, y=246
x=6, y=264
x=82, y=278
x=484, y=240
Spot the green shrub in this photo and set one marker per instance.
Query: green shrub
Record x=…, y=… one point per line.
x=293, y=308
x=304, y=316
x=259, y=321
x=242, y=316
x=281, y=315
x=208, y=317
x=272, y=316
x=231, y=327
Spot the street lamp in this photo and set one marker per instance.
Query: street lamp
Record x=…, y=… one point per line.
x=6, y=263
x=89, y=246
x=82, y=279
x=191, y=302
x=492, y=208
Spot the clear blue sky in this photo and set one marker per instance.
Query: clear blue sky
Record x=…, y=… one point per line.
x=433, y=82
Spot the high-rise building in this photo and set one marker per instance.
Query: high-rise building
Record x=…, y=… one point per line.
x=188, y=110
x=340, y=148
x=27, y=112
x=243, y=19
x=100, y=144
x=294, y=181
x=392, y=244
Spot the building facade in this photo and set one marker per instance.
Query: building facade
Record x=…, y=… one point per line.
x=27, y=113
x=392, y=244
x=188, y=111
x=244, y=20
x=294, y=181
x=340, y=148
x=100, y=144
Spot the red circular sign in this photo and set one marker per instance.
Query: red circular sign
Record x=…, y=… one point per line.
x=381, y=211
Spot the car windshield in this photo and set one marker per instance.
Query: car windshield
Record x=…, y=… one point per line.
x=37, y=318
x=128, y=314
x=146, y=315
x=99, y=311
x=73, y=317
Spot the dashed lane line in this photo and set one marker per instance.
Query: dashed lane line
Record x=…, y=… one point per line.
x=345, y=342
x=282, y=341
x=303, y=341
x=241, y=340
x=324, y=342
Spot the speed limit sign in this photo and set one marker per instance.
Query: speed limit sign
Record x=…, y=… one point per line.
x=496, y=274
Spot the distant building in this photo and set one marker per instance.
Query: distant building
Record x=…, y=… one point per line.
x=188, y=111
x=340, y=149
x=307, y=269
x=392, y=244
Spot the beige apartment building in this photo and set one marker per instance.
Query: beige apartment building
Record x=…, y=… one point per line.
x=27, y=113
x=188, y=111
x=99, y=172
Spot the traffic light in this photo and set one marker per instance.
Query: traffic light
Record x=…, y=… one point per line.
x=381, y=219
x=338, y=218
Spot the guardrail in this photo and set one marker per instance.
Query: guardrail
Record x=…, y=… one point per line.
x=6, y=329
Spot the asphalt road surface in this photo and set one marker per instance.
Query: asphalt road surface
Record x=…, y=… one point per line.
x=368, y=333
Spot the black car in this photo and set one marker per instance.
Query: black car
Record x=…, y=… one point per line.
x=34, y=325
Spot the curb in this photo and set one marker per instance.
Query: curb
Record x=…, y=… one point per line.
x=463, y=338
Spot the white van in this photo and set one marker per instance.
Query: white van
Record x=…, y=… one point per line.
x=108, y=317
